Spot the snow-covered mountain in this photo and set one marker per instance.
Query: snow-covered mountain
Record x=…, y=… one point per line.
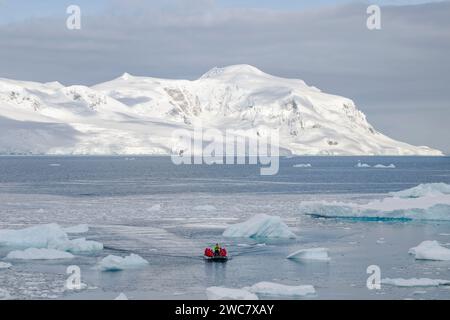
x=137, y=115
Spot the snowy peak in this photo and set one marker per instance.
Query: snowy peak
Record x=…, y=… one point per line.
x=137, y=115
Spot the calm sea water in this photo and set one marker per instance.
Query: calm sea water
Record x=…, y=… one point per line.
x=168, y=214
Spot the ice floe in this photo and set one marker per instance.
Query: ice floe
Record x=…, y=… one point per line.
x=50, y=236
x=422, y=190
x=280, y=290
x=413, y=282
x=430, y=250
x=319, y=254
x=5, y=265
x=221, y=293
x=260, y=226
x=116, y=263
x=39, y=254
x=411, y=204
x=80, y=228
x=302, y=165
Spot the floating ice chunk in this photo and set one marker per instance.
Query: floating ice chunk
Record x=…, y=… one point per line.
x=302, y=165
x=39, y=254
x=362, y=165
x=221, y=293
x=422, y=190
x=280, y=290
x=80, y=228
x=80, y=245
x=116, y=263
x=4, y=295
x=5, y=265
x=205, y=208
x=37, y=236
x=154, y=208
x=260, y=226
x=422, y=282
x=320, y=254
x=382, y=166
x=430, y=250
x=121, y=296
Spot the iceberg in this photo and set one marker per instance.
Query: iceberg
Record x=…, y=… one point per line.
x=38, y=254
x=422, y=190
x=49, y=236
x=260, y=226
x=319, y=254
x=422, y=282
x=362, y=165
x=430, y=250
x=5, y=265
x=302, y=165
x=382, y=166
x=221, y=293
x=280, y=290
x=121, y=296
x=424, y=202
x=116, y=263
x=81, y=228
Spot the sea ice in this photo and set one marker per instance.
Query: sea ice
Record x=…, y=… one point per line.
x=116, y=263
x=260, y=226
x=362, y=165
x=382, y=166
x=280, y=290
x=320, y=254
x=430, y=250
x=422, y=282
x=38, y=254
x=221, y=293
x=80, y=228
x=425, y=189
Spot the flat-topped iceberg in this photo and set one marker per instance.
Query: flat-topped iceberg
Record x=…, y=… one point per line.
x=319, y=254
x=221, y=293
x=426, y=202
x=413, y=282
x=430, y=250
x=260, y=226
x=48, y=236
x=280, y=290
x=116, y=263
x=39, y=254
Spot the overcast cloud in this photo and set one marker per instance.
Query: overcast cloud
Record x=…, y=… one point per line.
x=399, y=76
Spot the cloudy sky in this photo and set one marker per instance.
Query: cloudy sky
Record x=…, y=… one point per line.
x=399, y=75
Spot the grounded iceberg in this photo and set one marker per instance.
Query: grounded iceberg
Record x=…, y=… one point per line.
x=422, y=282
x=50, y=236
x=430, y=250
x=39, y=254
x=260, y=226
x=425, y=202
x=221, y=293
x=280, y=290
x=320, y=254
x=116, y=263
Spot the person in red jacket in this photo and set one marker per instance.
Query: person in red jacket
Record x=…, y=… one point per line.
x=223, y=252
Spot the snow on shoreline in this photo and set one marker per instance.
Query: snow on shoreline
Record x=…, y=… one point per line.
x=260, y=226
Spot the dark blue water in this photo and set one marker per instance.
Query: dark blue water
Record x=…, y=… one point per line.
x=120, y=176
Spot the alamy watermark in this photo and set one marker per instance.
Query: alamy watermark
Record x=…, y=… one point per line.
x=259, y=146
x=374, y=19
x=73, y=22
